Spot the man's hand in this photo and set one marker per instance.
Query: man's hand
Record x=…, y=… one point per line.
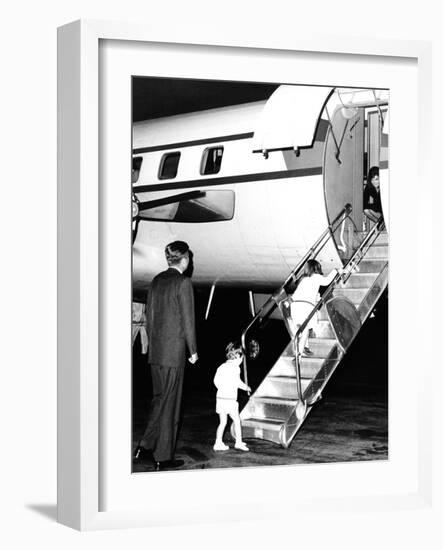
x=193, y=359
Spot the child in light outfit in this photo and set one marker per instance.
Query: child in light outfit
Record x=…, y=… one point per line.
x=304, y=299
x=227, y=381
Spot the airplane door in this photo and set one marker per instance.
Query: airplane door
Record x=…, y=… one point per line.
x=343, y=164
x=377, y=152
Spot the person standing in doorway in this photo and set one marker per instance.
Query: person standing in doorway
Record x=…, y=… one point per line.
x=371, y=195
x=171, y=331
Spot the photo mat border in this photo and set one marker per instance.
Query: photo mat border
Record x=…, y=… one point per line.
x=79, y=257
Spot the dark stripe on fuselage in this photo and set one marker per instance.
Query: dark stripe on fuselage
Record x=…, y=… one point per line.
x=181, y=144
x=244, y=178
x=320, y=136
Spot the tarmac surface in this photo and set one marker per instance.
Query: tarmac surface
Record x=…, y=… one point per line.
x=339, y=429
x=349, y=424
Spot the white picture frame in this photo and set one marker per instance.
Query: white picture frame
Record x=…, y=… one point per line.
x=82, y=259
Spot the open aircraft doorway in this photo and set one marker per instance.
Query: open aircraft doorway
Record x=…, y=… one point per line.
x=264, y=187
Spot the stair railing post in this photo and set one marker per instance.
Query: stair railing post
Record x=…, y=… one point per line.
x=245, y=366
x=296, y=347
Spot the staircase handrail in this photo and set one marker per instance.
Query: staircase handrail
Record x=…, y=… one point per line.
x=344, y=275
x=272, y=301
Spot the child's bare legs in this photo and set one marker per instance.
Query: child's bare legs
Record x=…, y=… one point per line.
x=219, y=445
x=237, y=427
x=303, y=340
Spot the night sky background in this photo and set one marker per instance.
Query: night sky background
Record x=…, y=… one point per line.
x=158, y=97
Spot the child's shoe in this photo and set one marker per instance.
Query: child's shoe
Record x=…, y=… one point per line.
x=241, y=446
x=220, y=446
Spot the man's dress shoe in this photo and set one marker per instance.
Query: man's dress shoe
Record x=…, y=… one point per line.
x=169, y=464
x=142, y=455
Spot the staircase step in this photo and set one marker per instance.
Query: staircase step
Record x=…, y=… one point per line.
x=356, y=295
x=370, y=265
x=274, y=401
x=280, y=386
x=377, y=251
x=309, y=369
x=382, y=238
x=272, y=424
x=269, y=423
x=359, y=280
x=323, y=328
x=285, y=366
x=320, y=347
x=322, y=315
x=322, y=374
x=277, y=408
x=262, y=428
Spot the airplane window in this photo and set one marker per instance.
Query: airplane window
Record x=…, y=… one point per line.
x=136, y=166
x=169, y=166
x=212, y=206
x=211, y=160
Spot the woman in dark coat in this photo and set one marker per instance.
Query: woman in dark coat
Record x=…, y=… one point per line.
x=371, y=195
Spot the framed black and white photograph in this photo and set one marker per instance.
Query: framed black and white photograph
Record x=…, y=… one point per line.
x=243, y=217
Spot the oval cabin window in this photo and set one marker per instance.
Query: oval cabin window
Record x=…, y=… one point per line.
x=211, y=161
x=169, y=166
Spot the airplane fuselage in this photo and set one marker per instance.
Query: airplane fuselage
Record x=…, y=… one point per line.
x=251, y=218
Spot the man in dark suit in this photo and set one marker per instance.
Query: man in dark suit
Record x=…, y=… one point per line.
x=171, y=329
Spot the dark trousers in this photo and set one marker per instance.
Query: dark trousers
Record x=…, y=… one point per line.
x=164, y=413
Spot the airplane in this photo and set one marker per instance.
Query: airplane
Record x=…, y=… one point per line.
x=250, y=187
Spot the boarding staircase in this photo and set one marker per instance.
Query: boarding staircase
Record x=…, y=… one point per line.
x=279, y=405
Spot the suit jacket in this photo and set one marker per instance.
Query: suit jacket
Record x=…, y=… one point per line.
x=171, y=319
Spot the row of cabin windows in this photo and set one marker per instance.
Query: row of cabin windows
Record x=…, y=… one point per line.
x=210, y=163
